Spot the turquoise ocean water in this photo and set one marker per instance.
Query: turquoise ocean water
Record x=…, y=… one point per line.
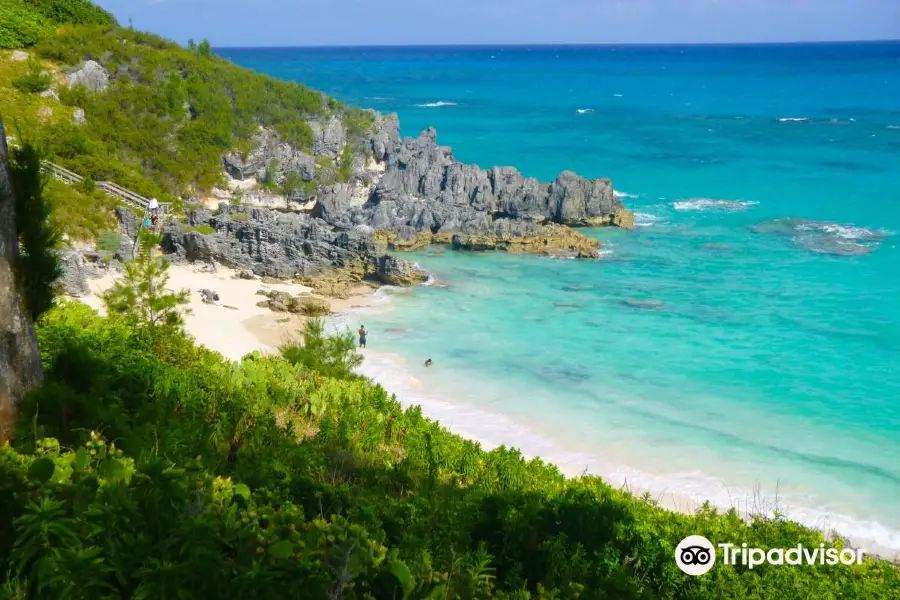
x=743, y=343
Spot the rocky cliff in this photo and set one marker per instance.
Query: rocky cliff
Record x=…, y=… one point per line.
x=289, y=246
x=414, y=192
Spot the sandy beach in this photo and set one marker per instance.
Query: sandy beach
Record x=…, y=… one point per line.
x=235, y=325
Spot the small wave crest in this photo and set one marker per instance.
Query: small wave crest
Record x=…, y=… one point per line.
x=437, y=104
x=644, y=219
x=793, y=119
x=621, y=194
x=585, y=111
x=712, y=204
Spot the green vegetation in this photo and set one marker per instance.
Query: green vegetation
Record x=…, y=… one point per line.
x=238, y=216
x=167, y=116
x=23, y=23
x=145, y=467
x=345, y=171
x=204, y=229
x=109, y=241
x=35, y=80
x=82, y=215
x=38, y=265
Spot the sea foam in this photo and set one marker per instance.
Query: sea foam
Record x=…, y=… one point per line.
x=712, y=204
x=437, y=104
x=585, y=111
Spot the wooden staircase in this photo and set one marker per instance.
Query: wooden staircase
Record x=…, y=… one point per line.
x=113, y=189
x=136, y=201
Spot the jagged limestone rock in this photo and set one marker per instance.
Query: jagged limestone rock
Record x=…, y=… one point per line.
x=91, y=75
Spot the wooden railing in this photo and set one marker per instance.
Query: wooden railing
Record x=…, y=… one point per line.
x=113, y=189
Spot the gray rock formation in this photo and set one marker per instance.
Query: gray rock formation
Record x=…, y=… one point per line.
x=19, y=55
x=74, y=275
x=78, y=116
x=91, y=75
x=329, y=138
x=273, y=244
x=268, y=147
x=426, y=189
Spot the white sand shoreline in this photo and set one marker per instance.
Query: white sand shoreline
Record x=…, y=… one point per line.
x=236, y=326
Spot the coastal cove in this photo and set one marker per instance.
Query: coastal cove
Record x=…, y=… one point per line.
x=720, y=350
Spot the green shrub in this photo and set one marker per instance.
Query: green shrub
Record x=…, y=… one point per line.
x=109, y=241
x=204, y=229
x=238, y=216
x=35, y=80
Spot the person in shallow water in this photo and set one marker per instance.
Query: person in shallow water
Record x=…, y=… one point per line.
x=362, y=336
x=428, y=363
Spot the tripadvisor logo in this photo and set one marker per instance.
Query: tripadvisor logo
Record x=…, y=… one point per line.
x=696, y=555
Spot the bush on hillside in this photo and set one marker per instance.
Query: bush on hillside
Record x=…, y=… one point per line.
x=33, y=81
x=23, y=23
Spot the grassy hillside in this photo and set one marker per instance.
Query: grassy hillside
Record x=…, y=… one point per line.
x=168, y=115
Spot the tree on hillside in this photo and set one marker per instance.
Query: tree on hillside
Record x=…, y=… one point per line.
x=204, y=48
x=141, y=296
x=38, y=266
x=333, y=356
x=20, y=366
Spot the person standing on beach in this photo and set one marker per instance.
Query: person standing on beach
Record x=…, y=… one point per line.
x=362, y=336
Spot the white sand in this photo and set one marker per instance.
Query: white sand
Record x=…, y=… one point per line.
x=235, y=325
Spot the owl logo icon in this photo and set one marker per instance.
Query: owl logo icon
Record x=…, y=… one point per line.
x=695, y=555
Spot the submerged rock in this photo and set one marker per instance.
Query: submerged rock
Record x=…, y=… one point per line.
x=822, y=237
x=648, y=303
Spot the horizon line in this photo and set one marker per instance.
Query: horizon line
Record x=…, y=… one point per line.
x=566, y=44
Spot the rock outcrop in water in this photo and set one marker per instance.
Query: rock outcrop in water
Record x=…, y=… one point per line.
x=413, y=193
x=426, y=196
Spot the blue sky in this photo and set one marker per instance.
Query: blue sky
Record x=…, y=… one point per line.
x=399, y=22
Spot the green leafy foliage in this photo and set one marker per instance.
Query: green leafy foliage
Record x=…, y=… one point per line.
x=283, y=478
x=35, y=80
x=23, y=23
x=109, y=241
x=38, y=265
x=141, y=297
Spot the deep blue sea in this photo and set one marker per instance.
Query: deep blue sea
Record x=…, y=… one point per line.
x=743, y=343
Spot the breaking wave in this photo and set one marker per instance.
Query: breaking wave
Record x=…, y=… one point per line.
x=644, y=219
x=436, y=104
x=585, y=111
x=712, y=204
x=793, y=119
x=621, y=194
